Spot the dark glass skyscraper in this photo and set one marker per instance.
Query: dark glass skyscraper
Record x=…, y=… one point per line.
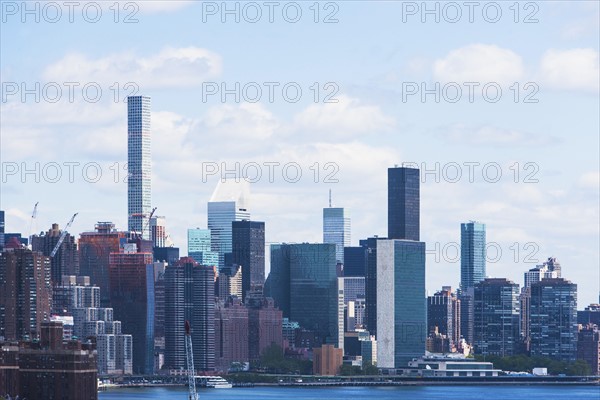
x=189, y=296
x=132, y=297
x=496, y=317
x=472, y=254
x=443, y=312
x=403, y=203
x=553, y=319
x=355, y=261
x=248, y=250
x=312, y=297
x=1, y=229
x=371, y=283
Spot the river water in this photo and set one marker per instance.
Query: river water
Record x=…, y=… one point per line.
x=504, y=392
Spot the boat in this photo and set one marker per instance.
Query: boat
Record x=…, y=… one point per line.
x=217, y=382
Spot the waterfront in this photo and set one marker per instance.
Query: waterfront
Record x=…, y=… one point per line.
x=381, y=393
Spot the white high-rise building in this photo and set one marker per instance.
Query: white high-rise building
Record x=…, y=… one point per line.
x=336, y=229
x=228, y=203
x=139, y=168
x=158, y=231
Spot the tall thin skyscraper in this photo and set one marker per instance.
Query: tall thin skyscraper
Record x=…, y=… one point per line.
x=403, y=203
x=248, y=248
x=228, y=203
x=472, y=254
x=139, y=164
x=336, y=229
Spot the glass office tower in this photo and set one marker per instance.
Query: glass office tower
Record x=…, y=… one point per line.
x=228, y=203
x=401, y=302
x=200, y=247
x=472, y=254
x=336, y=230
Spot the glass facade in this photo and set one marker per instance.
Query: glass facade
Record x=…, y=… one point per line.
x=401, y=302
x=336, y=230
x=496, y=317
x=248, y=250
x=132, y=290
x=355, y=261
x=200, y=247
x=139, y=164
x=472, y=254
x=310, y=294
x=220, y=217
x=403, y=203
x=553, y=319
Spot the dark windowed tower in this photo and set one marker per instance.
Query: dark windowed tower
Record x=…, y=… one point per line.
x=248, y=248
x=403, y=203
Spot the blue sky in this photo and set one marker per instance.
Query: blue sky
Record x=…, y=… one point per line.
x=370, y=55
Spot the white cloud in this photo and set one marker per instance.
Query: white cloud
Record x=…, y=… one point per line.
x=590, y=180
x=492, y=136
x=574, y=69
x=479, y=63
x=342, y=120
x=154, y=6
x=171, y=67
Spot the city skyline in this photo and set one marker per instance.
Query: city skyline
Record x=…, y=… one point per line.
x=370, y=128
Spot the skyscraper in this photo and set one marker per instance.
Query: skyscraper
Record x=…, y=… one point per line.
x=264, y=326
x=200, y=247
x=190, y=296
x=248, y=248
x=355, y=261
x=231, y=333
x=25, y=291
x=94, y=253
x=2, y=227
x=228, y=203
x=371, y=283
x=336, y=230
x=472, y=254
x=158, y=231
x=553, y=319
x=132, y=298
x=66, y=259
x=533, y=275
x=443, y=312
x=139, y=164
x=496, y=317
x=403, y=203
x=401, y=302
x=304, y=287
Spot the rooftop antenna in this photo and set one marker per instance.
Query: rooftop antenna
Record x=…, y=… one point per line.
x=329, y=198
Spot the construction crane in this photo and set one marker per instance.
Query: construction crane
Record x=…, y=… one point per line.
x=33, y=217
x=193, y=395
x=138, y=235
x=63, y=235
